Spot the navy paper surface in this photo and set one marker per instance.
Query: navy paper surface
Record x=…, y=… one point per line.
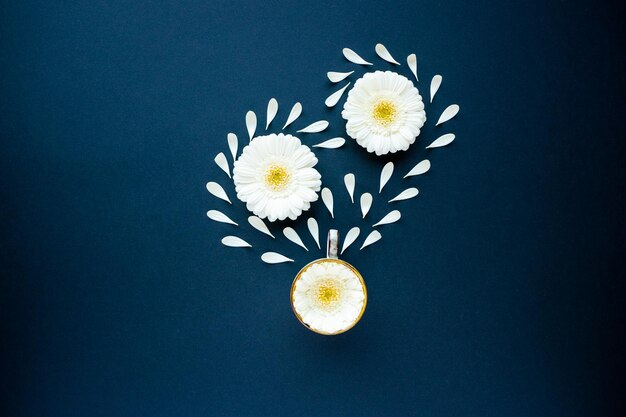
x=499, y=293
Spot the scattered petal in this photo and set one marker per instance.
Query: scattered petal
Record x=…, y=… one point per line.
x=222, y=162
x=366, y=203
x=235, y=242
x=336, y=77
x=292, y=235
x=251, y=123
x=391, y=217
x=382, y=52
x=218, y=216
x=350, y=181
x=233, y=145
x=406, y=194
x=419, y=169
x=385, y=175
x=259, y=225
x=272, y=110
x=274, y=258
x=314, y=230
x=327, y=198
x=334, y=98
x=442, y=141
x=333, y=143
x=434, y=86
x=354, y=57
x=411, y=61
x=295, y=112
x=316, y=127
x=373, y=237
x=351, y=236
x=448, y=113
x=216, y=190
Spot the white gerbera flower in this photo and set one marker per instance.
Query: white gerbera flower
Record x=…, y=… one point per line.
x=384, y=112
x=275, y=177
x=328, y=296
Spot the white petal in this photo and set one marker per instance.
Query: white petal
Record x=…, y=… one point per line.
x=354, y=57
x=411, y=61
x=316, y=127
x=373, y=237
x=406, y=194
x=274, y=258
x=419, y=169
x=442, y=141
x=366, y=203
x=385, y=175
x=350, y=181
x=334, y=98
x=233, y=145
x=292, y=235
x=391, y=217
x=448, y=113
x=333, y=143
x=259, y=225
x=327, y=198
x=351, y=236
x=336, y=77
x=272, y=109
x=218, y=216
x=314, y=230
x=220, y=160
x=251, y=123
x=216, y=190
x=295, y=112
x=235, y=242
x=434, y=86
x=384, y=54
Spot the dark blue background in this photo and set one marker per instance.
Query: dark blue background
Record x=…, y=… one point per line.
x=499, y=293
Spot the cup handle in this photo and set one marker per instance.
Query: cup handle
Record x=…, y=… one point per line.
x=332, y=244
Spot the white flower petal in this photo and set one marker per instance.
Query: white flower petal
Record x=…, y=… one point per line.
x=336, y=77
x=333, y=143
x=251, y=123
x=382, y=52
x=218, y=216
x=385, y=175
x=354, y=57
x=443, y=140
x=315, y=127
x=419, y=169
x=350, y=181
x=435, y=83
x=295, y=112
x=327, y=198
x=235, y=242
x=448, y=113
x=314, y=230
x=351, y=236
x=391, y=217
x=272, y=110
x=373, y=237
x=274, y=258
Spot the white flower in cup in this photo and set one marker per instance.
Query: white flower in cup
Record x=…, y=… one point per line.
x=384, y=112
x=328, y=296
x=275, y=177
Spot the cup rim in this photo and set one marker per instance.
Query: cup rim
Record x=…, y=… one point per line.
x=349, y=266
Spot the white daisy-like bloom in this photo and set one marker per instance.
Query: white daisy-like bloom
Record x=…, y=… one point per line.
x=328, y=296
x=384, y=112
x=275, y=177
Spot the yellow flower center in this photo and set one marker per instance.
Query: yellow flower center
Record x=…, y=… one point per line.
x=384, y=112
x=327, y=293
x=277, y=177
